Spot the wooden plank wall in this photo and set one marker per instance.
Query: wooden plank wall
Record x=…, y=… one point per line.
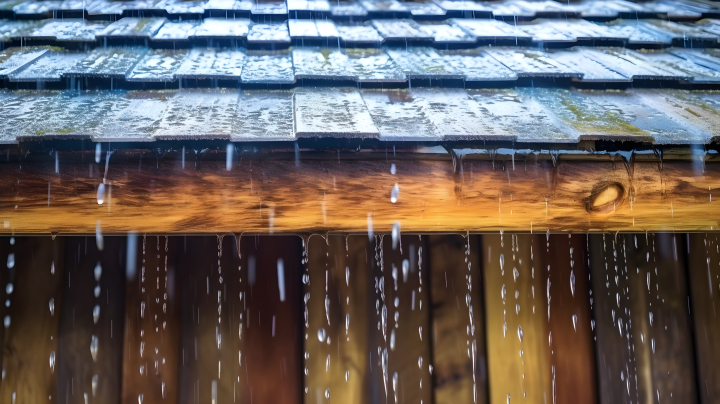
x=538, y=320
x=240, y=340
x=152, y=324
x=35, y=276
x=642, y=320
x=458, y=320
x=703, y=261
x=270, y=194
x=93, y=309
x=541, y=333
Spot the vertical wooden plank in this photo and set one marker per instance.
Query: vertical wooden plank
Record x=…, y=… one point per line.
x=704, y=274
x=151, y=337
x=644, y=346
x=570, y=338
x=402, y=358
x=89, y=359
x=273, y=357
x=340, y=334
x=458, y=329
x=211, y=305
x=517, y=320
x=240, y=319
x=35, y=276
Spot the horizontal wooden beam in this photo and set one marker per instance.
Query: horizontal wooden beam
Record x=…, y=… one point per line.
x=172, y=193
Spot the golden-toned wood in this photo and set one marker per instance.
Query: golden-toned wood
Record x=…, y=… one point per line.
x=341, y=312
x=30, y=348
x=572, y=356
x=151, y=336
x=264, y=195
x=642, y=324
x=704, y=274
x=518, y=348
x=82, y=377
x=458, y=329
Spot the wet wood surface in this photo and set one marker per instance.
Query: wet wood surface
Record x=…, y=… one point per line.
x=563, y=264
x=341, y=320
x=517, y=320
x=30, y=341
x=401, y=361
x=240, y=332
x=151, y=354
x=93, y=309
x=704, y=274
x=272, y=194
x=458, y=320
x=642, y=321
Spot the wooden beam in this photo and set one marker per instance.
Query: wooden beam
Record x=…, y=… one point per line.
x=642, y=322
x=146, y=192
x=93, y=309
x=703, y=257
x=31, y=322
x=458, y=315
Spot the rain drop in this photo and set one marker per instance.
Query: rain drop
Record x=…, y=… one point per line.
x=395, y=194
x=321, y=334
x=101, y=194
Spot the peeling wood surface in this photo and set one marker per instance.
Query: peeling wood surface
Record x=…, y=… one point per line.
x=153, y=193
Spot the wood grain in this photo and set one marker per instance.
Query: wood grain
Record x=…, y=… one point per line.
x=518, y=349
x=340, y=274
x=644, y=343
x=271, y=194
x=703, y=260
x=83, y=379
x=30, y=340
x=151, y=336
x=563, y=263
x=239, y=340
x=401, y=360
x=458, y=329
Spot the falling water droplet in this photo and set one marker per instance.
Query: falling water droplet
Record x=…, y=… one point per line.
x=393, y=169
x=229, y=157
x=140, y=398
x=321, y=334
x=94, y=348
x=327, y=393
x=98, y=271
x=52, y=307
x=12, y=240
x=651, y=318
x=420, y=361
x=101, y=194
x=405, y=270
x=99, y=236
x=652, y=343
x=395, y=235
x=6, y=321
x=281, y=278
x=96, y=313
x=52, y=268
x=392, y=339
x=11, y=260
x=574, y=320
x=572, y=283
x=395, y=193
x=94, y=384
x=516, y=274
x=520, y=333
x=503, y=292
x=502, y=264
x=96, y=291
x=98, y=152
x=9, y=288
x=52, y=361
